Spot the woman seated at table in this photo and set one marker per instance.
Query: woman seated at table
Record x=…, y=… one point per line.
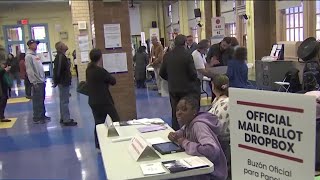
x=238, y=69
x=198, y=136
x=220, y=108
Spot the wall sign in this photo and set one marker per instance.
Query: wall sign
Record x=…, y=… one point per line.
x=218, y=29
x=272, y=135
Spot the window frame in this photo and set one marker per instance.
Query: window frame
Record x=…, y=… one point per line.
x=293, y=25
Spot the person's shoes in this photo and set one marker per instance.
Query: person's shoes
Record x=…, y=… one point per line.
x=61, y=121
x=29, y=97
x=98, y=150
x=5, y=120
x=39, y=121
x=70, y=123
x=46, y=118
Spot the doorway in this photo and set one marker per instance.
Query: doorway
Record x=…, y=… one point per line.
x=14, y=39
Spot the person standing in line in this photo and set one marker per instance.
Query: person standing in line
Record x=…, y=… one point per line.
x=100, y=100
x=179, y=70
x=75, y=62
x=62, y=79
x=191, y=45
x=4, y=88
x=156, y=60
x=23, y=75
x=36, y=77
x=141, y=61
x=238, y=70
x=13, y=62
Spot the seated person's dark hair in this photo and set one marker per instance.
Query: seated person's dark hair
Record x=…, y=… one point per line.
x=203, y=44
x=234, y=41
x=240, y=54
x=141, y=49
x=228, y=40
x=95, y=55
x=180, y=40
x=192, y=101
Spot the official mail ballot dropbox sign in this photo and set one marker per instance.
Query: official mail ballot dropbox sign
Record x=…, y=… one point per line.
x=272, y=135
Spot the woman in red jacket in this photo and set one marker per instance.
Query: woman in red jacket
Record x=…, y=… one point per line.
x=23, y=75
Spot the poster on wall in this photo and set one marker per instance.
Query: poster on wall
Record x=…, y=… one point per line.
x=218, y=29
x=272, y=135
x=112, y=36
x=115, y=62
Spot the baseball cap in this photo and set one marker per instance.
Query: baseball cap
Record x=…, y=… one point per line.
x=31, y=41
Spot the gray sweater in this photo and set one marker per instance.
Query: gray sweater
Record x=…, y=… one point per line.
x=34, y=68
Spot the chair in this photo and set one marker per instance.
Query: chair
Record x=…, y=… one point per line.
x=203, y=91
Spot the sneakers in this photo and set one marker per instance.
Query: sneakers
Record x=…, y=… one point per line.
x=29, y=97
x=5, y=120
x=46, y=118
x=71, y=122
x=39, y=121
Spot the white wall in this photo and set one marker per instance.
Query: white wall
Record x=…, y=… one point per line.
x=175, y=12
x=227, y=11
x=288, y=4
x=135, y=23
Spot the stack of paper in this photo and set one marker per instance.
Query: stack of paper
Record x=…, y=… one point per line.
x=151, y=128
x=152, y=168
x=156, y=140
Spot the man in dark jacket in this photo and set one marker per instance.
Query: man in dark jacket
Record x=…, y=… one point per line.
x=179, y=70
x=62, y=79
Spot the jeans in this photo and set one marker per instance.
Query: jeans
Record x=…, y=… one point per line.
x=27, y=86
x=38, y=96
x=64, y=103
x=3, y=105
x=16, y=76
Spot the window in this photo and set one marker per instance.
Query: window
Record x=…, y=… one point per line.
x=231, y=29
x=318, y=20
x=294, y=23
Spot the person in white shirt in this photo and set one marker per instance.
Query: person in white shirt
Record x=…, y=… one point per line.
x=200, y=59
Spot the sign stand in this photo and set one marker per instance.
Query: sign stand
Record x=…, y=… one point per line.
x=140, y=150
x=112, y=131
x=272, y=135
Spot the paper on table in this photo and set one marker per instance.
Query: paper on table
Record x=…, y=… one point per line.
x=273, y=51
x=156, y=140
x=151, y=128
x=115, y=62
x=194, y=162
x=152, y=168
x=84, y=56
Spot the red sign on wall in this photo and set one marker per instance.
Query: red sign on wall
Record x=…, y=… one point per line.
x=24, y=21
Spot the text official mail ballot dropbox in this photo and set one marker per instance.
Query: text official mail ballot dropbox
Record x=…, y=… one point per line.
x=272, y=135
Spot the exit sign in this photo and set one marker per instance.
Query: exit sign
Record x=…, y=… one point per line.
x=23, y=21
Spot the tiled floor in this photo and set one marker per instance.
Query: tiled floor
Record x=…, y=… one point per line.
x=50, y=151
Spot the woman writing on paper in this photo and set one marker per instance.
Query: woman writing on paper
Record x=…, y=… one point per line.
x=198, y=136
x=100, y=99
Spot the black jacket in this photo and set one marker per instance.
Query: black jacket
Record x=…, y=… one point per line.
x=98, y=80
x=179, y=70
x=61, y=70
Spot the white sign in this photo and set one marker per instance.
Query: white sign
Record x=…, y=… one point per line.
x=143, y=39
x=84, y=44
x=112, y=35
x=272, y=135
x=140, y=150
x=84, y=56
x=218, y=29
x=115, y=62
x=112, y=131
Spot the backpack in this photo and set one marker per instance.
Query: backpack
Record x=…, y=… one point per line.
x=292, y=77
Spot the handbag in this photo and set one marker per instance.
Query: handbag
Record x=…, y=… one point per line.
x=83, y=88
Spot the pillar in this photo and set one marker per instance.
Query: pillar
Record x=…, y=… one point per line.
x=250, y=31
x=208, y=14
x=80, y=12
x=183, y=18
x=309, y=19
x=160, y=19
x=123, y=92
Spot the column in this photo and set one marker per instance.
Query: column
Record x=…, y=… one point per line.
x=80, y=12
x=183, y=18
x=123, y=92
x=250, y=31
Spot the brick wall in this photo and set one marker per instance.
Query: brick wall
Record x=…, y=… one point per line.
x=117, y=13
x=80, y=12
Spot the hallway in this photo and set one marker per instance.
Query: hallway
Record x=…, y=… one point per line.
x=50, y=151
